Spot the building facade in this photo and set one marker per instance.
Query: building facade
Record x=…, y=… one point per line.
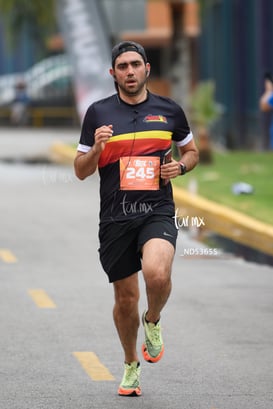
x=235, y=51
x=189, y=41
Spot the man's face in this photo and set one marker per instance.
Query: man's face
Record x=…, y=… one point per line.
x=130, y=72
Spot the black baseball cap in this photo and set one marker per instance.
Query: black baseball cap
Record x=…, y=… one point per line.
x=125, y=46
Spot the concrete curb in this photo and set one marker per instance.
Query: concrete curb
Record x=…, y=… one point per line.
x=62, y=153
x=225, y=221
x=217, y=218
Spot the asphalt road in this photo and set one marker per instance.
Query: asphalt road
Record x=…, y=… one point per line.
x=58, y=344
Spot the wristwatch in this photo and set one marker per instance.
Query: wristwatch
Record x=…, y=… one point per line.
x=183, y=168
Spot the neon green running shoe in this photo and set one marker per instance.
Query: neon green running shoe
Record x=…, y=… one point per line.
x=130, y=382
x=153, y=347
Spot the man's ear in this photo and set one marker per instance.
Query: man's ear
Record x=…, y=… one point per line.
x=111, y=71
x=148, y=69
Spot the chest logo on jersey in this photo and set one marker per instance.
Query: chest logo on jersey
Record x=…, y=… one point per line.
x=155, y=118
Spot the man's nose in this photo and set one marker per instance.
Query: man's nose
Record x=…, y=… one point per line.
x=130, y=70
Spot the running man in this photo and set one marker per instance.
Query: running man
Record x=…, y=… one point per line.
x=127, y=137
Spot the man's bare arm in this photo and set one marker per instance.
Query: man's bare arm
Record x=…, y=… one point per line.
x=189, y=155
x=85, y=164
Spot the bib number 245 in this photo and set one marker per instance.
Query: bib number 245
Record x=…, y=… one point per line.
x=139, y=173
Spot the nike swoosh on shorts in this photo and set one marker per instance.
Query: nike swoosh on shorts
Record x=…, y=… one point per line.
x=167, y=234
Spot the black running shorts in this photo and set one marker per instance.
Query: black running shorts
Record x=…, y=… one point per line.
x=121, y=243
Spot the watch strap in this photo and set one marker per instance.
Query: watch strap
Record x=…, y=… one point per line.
x=183, y=168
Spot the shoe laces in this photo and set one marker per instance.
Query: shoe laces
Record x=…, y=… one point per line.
x=131, y=375
x=154, y=334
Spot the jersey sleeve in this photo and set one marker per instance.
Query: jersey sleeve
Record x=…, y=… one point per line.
x=87, y=131
x=182, y=133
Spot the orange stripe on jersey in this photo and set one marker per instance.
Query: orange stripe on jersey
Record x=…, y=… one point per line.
x=139, y=143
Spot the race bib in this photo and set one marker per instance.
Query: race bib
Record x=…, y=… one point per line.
x=139, y=173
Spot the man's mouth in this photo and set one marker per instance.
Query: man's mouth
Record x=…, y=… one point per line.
x=131, y=82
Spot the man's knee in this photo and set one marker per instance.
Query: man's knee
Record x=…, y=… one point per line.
x=126, y=297
x=126, y=300
x=157, y=277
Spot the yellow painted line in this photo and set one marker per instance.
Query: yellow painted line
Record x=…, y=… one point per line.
x=41, y=299
x=7, y=256
x=93, y=367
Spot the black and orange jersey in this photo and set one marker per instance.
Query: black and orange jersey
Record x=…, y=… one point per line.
x=142, y=130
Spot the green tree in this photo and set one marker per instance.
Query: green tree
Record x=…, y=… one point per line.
x=35, y=16
x=205, y=111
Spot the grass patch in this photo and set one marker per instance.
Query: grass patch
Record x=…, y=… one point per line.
x=215, y=182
